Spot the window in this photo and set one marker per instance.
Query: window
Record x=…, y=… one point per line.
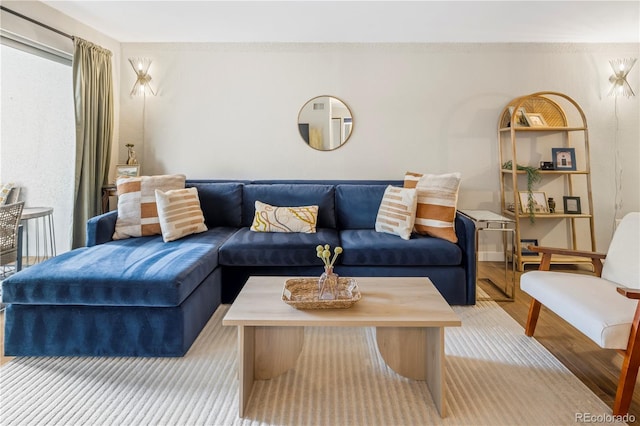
x=37, y=135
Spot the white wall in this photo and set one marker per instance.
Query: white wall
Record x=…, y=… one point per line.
x=229, y=111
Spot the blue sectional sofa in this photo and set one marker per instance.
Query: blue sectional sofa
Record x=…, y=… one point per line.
x=144, y=297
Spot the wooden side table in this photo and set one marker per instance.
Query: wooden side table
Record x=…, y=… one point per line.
x=486, y=220
x=108, y=191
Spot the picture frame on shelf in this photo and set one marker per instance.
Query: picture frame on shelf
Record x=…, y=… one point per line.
x=127, y=170
x=539, y=200
x=521, y=117
x=571, y=205
x=563, y=158
x=536, y=120
x=524, y=246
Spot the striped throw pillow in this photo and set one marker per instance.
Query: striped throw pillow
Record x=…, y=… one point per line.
x=397, y=212
x=179, y=213
x=137, y=209
x=437, y=200
x=284, y=219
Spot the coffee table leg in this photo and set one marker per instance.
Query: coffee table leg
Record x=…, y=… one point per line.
x=416, y=353
x=246, y=365
x=276, y=350
x=264, y=353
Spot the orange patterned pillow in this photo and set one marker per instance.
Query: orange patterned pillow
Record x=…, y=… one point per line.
x=437, y=200
x=137, y=208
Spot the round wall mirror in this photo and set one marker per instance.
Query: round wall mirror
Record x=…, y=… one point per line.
x=325, y=123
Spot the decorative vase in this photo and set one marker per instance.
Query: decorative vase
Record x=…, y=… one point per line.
x=552, y=205
x=327, y=284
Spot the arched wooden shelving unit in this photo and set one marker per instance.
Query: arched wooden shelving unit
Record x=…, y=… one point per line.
x=528, y=145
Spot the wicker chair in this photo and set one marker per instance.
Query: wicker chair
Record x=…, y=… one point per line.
x=9, y=237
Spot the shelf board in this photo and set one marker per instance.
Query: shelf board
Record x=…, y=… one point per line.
x=544, y=129
x=556, y=259
x=550, y=172
x=509, y=213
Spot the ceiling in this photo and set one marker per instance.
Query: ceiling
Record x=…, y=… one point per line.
x=359, y=21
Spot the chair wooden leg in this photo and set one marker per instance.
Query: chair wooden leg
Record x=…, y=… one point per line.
x=532, y=320
x=629, y=371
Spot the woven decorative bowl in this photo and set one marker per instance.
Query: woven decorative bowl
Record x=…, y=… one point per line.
x=302, y=293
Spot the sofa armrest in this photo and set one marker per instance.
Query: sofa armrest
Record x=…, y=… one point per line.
x=100, y=229
x=466, y=232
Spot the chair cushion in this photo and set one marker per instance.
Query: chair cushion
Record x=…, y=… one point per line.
x=621, y=265
x=591, y=304
x=371, y=248
x=247, y=248
x=141, y=271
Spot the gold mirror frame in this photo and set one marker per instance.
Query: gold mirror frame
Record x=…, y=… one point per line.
x=325, y=123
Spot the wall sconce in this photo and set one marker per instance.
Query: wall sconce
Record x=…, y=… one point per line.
x=142, y=84
x=621, y=68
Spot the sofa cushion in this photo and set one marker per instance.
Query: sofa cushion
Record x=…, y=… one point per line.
x=137, y=209
x=357, y=205
x=368, y=247
x=247, y=248
x=133, y=272
x=221, y=202
x=290, y=195
x=179, y=213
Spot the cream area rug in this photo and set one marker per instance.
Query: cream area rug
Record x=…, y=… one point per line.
x=495, y=376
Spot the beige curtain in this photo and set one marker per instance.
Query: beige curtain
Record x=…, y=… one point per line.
x=93, y=97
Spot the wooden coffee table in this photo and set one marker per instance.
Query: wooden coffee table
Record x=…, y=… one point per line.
x=409, y=315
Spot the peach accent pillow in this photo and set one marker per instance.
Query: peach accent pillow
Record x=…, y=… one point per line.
x=179, y=213
x=137, y=208
x=397, y=212
x=437, y=201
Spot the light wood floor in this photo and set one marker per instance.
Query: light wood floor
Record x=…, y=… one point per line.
x=597, y=368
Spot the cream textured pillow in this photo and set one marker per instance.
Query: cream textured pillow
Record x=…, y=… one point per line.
x=179, y=213
x=397, y=212
x=437, y=200
x=137, y=210
x=284, y=219
x=5, y=190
